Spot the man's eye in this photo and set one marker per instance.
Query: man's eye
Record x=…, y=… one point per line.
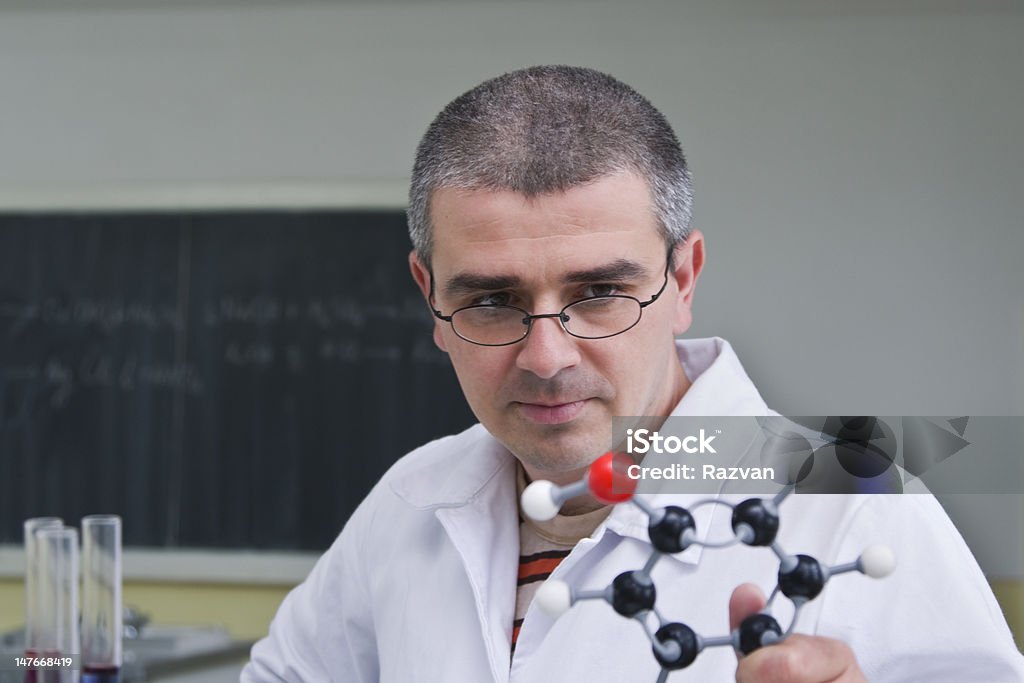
x=493, y=299
x=603, y=289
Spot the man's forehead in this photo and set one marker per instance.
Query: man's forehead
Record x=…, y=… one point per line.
x=586, y=224
x=623, y=190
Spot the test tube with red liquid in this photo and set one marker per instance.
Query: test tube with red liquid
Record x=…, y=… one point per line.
x=34, y=585
x=58, y=604
x=101, y=599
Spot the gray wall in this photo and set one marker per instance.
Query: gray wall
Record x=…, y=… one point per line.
x=859, y=173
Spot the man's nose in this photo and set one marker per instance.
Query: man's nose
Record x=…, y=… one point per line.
x=548, y=349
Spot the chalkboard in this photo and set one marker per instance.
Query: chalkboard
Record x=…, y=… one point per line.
x=220, y=379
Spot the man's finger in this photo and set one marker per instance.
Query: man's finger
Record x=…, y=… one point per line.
x=801, y=659
x=747, y=599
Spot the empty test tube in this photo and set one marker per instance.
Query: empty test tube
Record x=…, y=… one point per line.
x=101, y=599
x=34, y=586
x=58, y=591
x=32, y=578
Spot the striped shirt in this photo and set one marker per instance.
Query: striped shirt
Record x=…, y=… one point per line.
x=542, y=546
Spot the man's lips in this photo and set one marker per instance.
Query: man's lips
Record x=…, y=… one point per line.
x=551, y=414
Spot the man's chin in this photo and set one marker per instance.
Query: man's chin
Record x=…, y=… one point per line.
x=553, y=449
x=558, y=457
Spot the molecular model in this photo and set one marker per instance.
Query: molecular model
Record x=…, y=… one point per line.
x=672, y=529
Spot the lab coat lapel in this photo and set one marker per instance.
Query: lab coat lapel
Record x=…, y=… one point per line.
x=484, y=530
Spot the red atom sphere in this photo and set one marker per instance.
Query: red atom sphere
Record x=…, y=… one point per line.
x=608, y=480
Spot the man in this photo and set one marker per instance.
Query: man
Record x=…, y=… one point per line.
x=550, y=215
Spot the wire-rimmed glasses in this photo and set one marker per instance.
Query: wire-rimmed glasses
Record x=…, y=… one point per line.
x=595, y=317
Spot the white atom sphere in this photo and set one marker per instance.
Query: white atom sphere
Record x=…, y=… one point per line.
x=553, y=597
x=877, y=561
x=539, y=501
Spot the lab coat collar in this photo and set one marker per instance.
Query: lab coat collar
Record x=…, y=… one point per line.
x=439, y=480
x=719, y=384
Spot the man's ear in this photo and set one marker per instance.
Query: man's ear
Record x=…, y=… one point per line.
x=689, y=262
x=422, y=276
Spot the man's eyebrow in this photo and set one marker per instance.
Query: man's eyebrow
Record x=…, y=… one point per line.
x=470, y=283
x=618, y=270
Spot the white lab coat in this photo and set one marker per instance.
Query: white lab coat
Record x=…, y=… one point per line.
x=420, y=585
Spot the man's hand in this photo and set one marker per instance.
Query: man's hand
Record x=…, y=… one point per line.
x=798, y=659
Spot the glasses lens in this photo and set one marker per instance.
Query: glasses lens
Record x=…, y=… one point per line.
x=491, y=325
x=602, y=316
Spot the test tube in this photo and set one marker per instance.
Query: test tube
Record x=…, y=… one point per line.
x=58, y=608
x=101, y=599
x=34, y=586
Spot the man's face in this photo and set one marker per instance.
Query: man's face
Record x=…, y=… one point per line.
x=550, y=398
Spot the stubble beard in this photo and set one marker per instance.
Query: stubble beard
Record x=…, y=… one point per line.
x=560, y=449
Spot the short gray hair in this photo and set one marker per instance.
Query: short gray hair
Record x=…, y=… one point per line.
x=547, y=129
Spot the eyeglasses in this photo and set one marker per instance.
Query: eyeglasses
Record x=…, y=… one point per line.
x=595, y=317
